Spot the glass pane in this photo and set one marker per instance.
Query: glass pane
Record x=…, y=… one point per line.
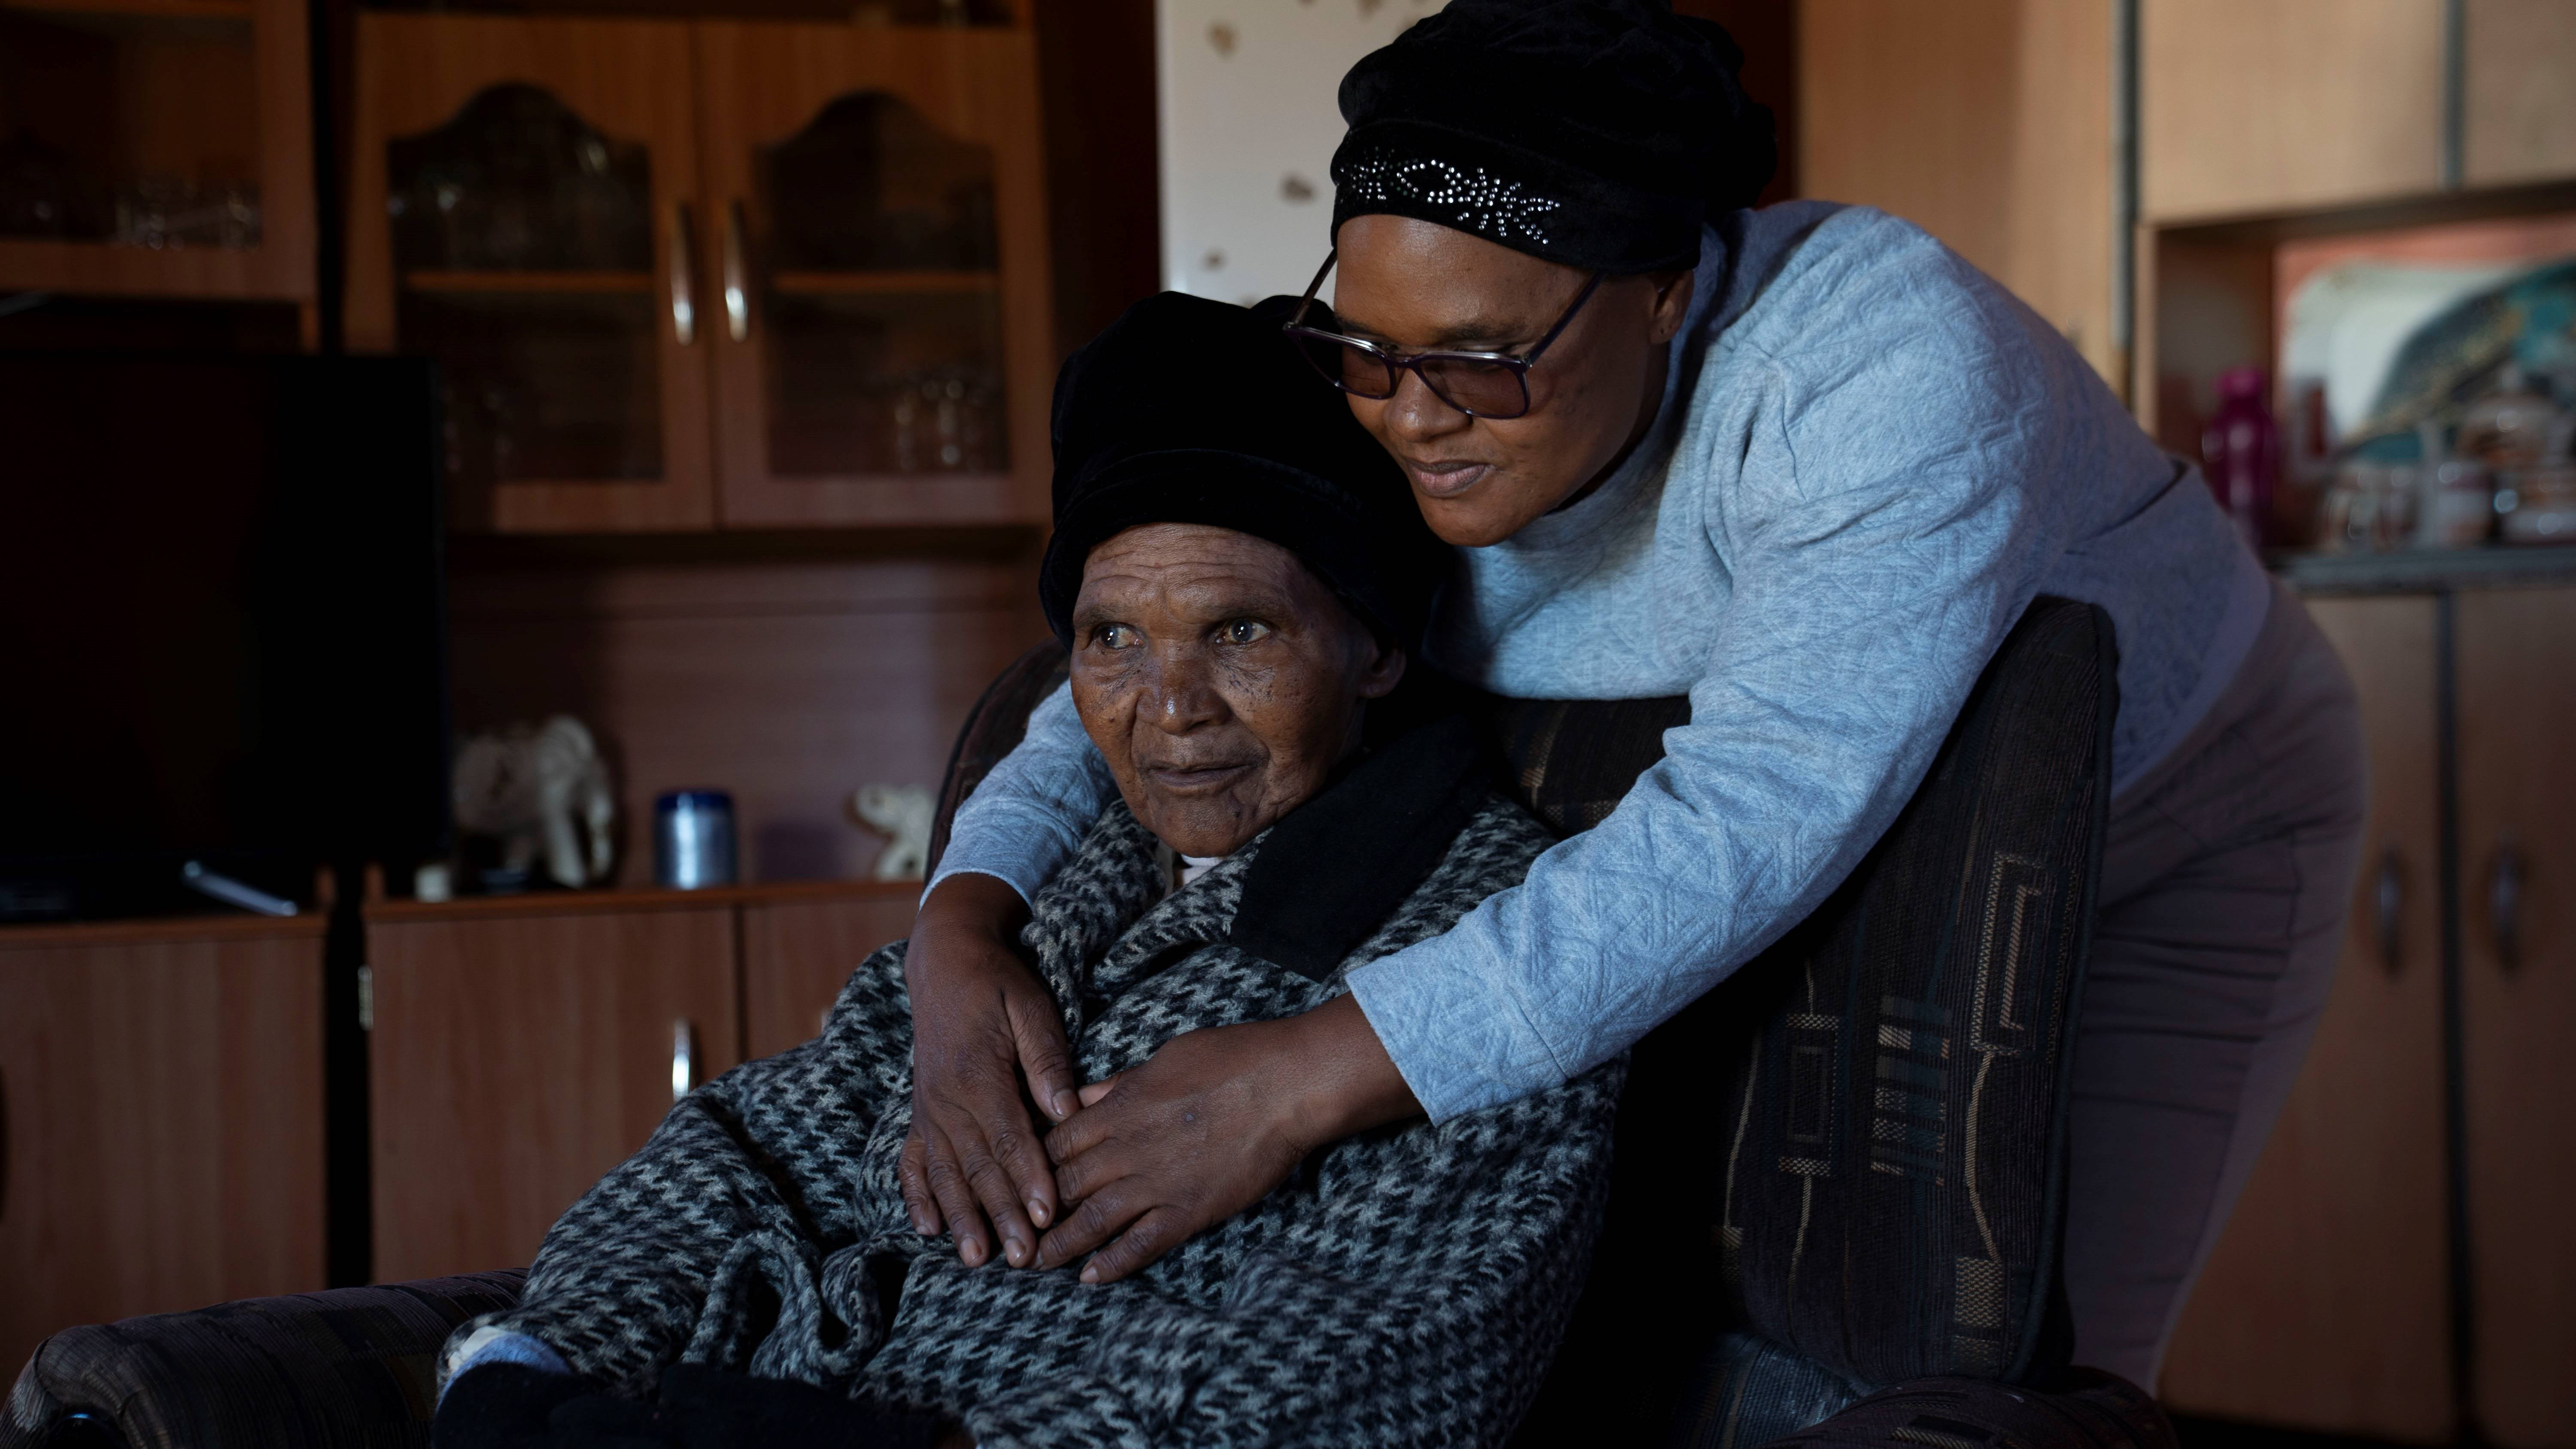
x=130, y=129
x=518, y=183
x=560, y=386
x=881, y=295
x=523, y=243
x=885, y=383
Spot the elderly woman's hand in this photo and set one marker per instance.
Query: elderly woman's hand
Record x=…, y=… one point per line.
x=982, y=1023
x=1207, y=1126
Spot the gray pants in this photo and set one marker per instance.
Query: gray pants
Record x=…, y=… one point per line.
x=2224, y=888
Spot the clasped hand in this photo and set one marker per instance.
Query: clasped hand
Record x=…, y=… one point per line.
x=1144, y=1160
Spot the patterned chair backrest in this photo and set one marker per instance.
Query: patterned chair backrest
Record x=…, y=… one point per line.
x=1893, y=1181
x=1888, y=1155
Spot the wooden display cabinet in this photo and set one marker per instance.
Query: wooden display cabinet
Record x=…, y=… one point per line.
x=2326, y=1303
x=691, y=275
x=1997, y=125
x=160, y=1119
x=525, y=208
x=522, y=1046
x=2251, y=107
x=2517, y=697
x=156, y=148
x=885, y=352
x=2323, y=1305
x=799, y=946
x=1901, y=108
x=2518, y=110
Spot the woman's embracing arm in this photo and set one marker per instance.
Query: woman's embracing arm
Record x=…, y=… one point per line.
x=1023, y=822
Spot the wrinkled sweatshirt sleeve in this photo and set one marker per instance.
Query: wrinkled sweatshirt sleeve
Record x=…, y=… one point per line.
x=1882, y=543
x=1025, y=819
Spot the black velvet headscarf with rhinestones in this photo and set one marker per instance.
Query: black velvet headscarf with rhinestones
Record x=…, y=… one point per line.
x=1598, y=133
x=1187, y=410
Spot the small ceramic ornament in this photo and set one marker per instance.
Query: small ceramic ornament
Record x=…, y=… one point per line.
x=539, y=787
x=903, y=812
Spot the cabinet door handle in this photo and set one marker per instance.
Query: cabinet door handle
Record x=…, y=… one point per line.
x=4, y=1146
x=2388, y=898
x=2504, y=905
x=684, y=1059
x=684, y=266
x=737, y=294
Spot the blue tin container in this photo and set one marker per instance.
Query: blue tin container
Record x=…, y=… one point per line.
x=693, y=839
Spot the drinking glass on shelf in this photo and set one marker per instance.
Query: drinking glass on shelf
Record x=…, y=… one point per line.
x=35, y=188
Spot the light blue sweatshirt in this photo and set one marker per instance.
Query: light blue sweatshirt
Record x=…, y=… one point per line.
x=1869, y=459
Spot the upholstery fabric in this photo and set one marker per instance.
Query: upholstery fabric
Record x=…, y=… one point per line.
x=1572, y=759
x=347, y=1369
x=1750, y=1391
x=2005, y=831
x=1894, y=1182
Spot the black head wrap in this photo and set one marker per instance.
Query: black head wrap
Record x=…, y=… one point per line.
x=1192, y=411
x=1598, y=133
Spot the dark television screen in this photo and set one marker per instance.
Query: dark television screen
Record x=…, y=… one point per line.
x=222, y=630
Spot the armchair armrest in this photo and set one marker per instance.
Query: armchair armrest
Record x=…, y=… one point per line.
x=301, y=1371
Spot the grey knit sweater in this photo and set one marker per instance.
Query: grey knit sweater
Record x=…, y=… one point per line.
x=1407, y=1286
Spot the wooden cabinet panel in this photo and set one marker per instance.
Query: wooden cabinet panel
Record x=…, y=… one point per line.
x=796, y=954
x=1985, y=122
x=160, y=1120
x=522, y=1051
x=2517, y=698
x=2280, y=105
x=2323, y=1304
x=549, y=178
x=2519, y=109
x=870, y=366
x=167, y=95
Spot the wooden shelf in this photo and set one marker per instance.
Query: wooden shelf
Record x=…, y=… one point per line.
x=871, y=284
x=312, y=922
x=2428, y=570
x=588, y=283
x=594, y=902
x=101, y=268
x=238, y=11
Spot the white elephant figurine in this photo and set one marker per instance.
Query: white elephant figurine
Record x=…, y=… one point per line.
x=903, y=812
x=540, y=785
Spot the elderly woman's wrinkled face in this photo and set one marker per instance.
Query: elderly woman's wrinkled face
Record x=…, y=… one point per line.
x=1222, y=681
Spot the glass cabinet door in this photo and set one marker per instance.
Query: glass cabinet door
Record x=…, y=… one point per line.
x=880, y=298
x=524, y=213
x=155, y=147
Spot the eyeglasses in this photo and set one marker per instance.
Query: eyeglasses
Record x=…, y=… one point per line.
x=1479, y=384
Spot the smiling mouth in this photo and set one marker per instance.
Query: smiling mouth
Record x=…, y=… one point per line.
x=1446, y=477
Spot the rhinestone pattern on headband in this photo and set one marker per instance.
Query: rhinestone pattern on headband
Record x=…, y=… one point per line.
x=1484, y=201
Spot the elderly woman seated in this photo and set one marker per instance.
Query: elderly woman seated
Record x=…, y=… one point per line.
x=1239, y=573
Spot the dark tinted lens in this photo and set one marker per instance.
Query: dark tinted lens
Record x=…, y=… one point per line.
x=1487, y=389
x=1348, y=367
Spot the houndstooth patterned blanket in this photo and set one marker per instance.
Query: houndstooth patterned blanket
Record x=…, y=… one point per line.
x=1406, y=1286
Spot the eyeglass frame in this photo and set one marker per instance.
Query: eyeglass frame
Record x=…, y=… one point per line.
x=1400, y=362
